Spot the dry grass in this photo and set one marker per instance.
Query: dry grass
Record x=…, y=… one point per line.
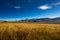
x=29, y=31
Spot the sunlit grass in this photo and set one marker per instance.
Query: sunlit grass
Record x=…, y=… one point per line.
x=29, y=31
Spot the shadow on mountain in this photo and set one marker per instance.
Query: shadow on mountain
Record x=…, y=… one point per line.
x=40, y=20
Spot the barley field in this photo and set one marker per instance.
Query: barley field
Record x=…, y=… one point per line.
x=29, y=31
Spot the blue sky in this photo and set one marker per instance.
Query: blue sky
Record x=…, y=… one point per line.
x=26, y=9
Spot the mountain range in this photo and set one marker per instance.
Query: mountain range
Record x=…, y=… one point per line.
x=43, y=20
x=40, y=20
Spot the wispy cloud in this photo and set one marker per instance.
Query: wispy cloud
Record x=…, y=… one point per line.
x=17, y=7
x=55, y=4
x=44, y=7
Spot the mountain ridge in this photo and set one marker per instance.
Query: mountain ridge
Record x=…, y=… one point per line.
x=39, y=20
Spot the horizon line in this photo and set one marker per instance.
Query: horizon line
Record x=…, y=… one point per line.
x=16, y=19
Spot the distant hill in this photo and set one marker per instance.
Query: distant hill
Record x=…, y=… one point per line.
x=40, y=20
x=43, y=20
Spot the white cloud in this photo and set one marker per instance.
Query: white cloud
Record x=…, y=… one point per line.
x=44, y=7
x=17, y=7
x=58, y=3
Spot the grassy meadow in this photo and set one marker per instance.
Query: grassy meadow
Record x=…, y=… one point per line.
x=29, y=31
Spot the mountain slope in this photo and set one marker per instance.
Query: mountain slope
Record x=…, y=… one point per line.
x=43, y=20
x=40, y=20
